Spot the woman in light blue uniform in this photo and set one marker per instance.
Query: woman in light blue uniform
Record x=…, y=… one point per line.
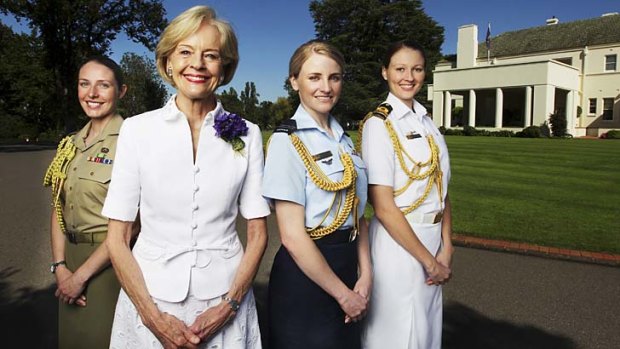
x=321, y=277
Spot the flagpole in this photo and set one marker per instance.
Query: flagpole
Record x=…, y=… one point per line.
x=488, y=42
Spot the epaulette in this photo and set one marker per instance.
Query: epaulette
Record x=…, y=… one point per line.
x=382, y=111
x=288, y=126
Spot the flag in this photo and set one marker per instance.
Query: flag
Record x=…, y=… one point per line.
x=488, y=39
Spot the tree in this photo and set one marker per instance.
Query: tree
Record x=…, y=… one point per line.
x=362, y=30
x=25, y=86
x=71, y=30
x=146, y=91
x=282, y=109
x=249, y=99
x=230, y=101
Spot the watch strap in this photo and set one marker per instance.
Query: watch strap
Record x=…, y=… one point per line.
x=234, y=305
x=55, y=265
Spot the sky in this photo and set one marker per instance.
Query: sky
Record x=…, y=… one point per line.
x=270, y=30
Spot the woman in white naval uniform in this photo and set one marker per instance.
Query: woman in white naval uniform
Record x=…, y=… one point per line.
x=408, y=175
x=190, y=167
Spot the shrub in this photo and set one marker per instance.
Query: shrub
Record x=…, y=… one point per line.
x=442, y=130
x=613, y=134
x=530, y=132
x=453, y=132
x=469, y=130
x=544, y=130
x=502, y=133
x=558, y=124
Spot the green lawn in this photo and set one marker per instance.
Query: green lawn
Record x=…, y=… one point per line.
x=552, y=192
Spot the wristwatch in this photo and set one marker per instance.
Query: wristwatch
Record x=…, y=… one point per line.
x=55, y=266
x=234, y=305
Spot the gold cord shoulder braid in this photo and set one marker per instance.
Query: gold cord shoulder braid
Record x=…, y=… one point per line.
x=323, y=182
x=57, y=173
x=429, y=169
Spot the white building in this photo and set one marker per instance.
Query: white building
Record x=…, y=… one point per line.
x=570, y=68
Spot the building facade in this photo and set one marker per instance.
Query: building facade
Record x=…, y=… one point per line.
x=568, y=68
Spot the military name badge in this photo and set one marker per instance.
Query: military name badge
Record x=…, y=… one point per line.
x=325, y=157
x=412, y=135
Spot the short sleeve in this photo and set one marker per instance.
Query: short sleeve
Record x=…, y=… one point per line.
x=378, y=152
x=251, y=202
x=285, y=174
x=123, y=197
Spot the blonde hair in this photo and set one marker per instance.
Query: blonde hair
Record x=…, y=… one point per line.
x=188, y=23
x=304, y=52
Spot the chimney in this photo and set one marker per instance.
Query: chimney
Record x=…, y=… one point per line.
x=552, y=21
x=467, y=46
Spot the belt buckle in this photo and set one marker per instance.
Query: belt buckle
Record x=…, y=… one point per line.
x=438, y=218
x=72, y=238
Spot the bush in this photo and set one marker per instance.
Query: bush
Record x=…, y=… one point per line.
x=544, y=130
x=502, y=133
x=469, y=130
x=442, y=130
x=453, y=132
x=530, y=132
x=558, y=124
x=613, y=134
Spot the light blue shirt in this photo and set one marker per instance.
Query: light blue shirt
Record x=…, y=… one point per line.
x=286, y=178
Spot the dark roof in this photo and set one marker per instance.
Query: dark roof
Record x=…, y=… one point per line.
x=561, y=36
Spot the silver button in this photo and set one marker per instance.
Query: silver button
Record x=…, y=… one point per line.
x=196, y=169
x=194, y=226
x=196, y=187
x=195, y=206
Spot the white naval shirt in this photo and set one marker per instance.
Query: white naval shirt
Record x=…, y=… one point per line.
x=188, y=210
x=383, y=165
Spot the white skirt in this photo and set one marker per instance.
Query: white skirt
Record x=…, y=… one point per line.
x=241, y=332
x=404, y=311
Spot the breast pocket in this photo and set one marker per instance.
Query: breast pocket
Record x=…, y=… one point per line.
x=94, y=181
x=331, y=166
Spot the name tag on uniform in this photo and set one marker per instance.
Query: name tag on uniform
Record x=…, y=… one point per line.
x=325, y=157
x=412, y=135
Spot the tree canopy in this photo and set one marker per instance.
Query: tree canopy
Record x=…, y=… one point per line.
x=363, y=30
x=71, y=30
x=146, y=91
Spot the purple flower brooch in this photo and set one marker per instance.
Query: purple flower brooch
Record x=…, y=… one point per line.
x=230, y=127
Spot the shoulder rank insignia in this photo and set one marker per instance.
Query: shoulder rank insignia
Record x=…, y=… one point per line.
x=382, y=111
x=288, y=126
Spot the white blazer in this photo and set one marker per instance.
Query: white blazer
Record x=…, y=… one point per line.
x=188, y=209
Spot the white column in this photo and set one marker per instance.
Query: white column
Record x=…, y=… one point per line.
x=499, y=107
x=544, y=96
x=527, y=117
x=472, y=108
x=570, y=112
x=438, y=108
x=447, y=110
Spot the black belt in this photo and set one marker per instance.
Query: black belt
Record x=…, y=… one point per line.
x=338, y=237
x=86, y=238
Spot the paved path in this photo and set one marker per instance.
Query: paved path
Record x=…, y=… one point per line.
x=495, y=300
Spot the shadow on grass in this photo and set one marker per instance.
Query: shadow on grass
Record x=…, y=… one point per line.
x=29, y=316
x=464, y=327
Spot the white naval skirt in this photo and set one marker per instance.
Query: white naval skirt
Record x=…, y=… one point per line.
x=241, y=332
x=404, y=311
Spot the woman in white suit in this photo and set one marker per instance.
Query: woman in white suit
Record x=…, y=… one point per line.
x=189, y=167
